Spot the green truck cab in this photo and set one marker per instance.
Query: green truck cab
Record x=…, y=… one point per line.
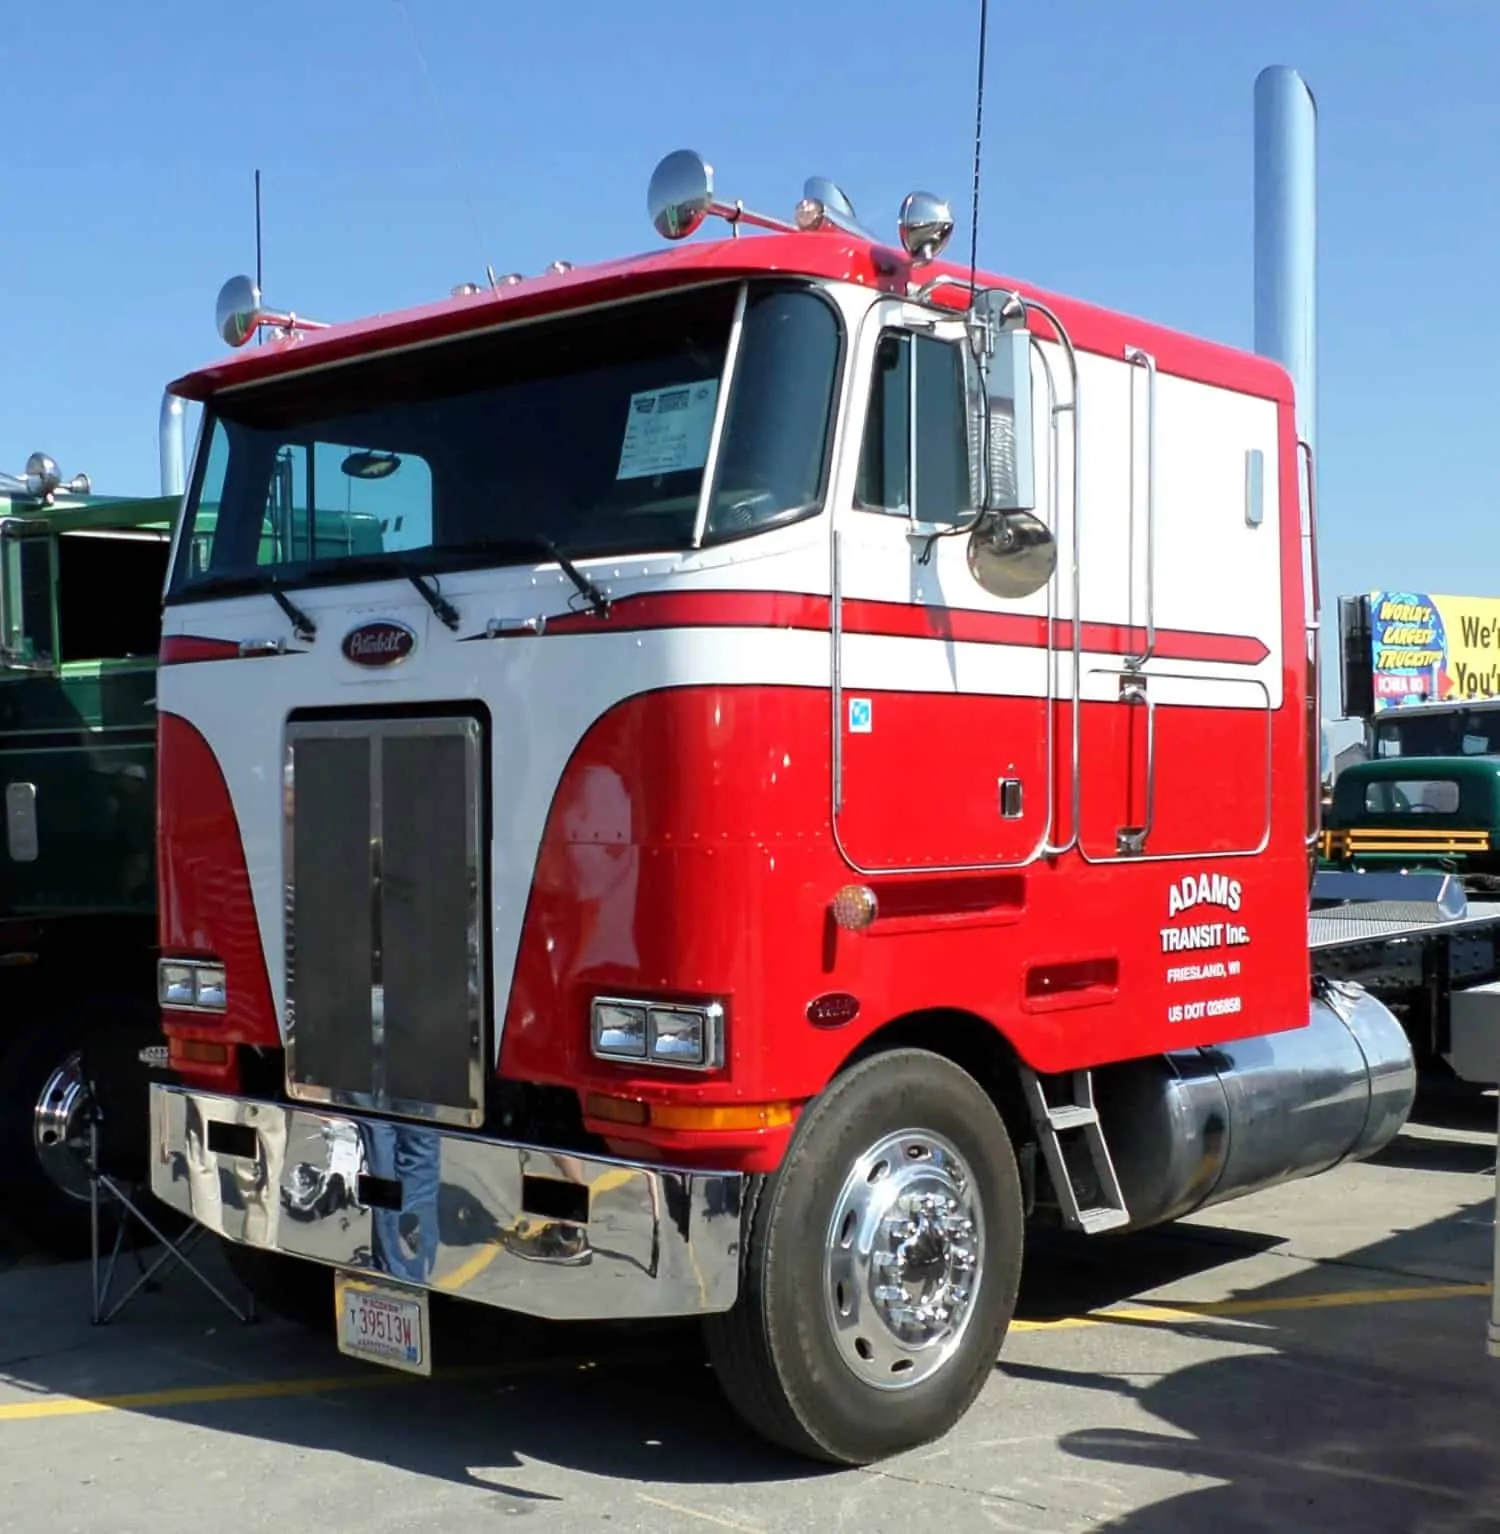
x=1429, y=813
x=81, y=578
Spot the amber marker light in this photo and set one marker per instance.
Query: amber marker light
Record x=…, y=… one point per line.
x=855, y=907
x=196, y=1052
x=686, y=1116
x=616, y=1110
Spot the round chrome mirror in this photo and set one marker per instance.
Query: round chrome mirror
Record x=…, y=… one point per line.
x=926, y=225
x=681, y=194
x=238, y=310
x=1011, y=554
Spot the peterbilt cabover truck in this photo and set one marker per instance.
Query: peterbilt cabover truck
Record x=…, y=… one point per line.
x=719, y=784
x=80, y=598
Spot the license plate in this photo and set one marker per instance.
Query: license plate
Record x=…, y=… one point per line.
x=384, y=1324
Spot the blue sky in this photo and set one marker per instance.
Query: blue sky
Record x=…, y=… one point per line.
x=1118, y=168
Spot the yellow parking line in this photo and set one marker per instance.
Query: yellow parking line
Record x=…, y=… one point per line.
x=265, y=1390
x=1188, y=1310
x=195, y=1395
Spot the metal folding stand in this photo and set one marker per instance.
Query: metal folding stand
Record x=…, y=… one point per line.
x=125, y=1193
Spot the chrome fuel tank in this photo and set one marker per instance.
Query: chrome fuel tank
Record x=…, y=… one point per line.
x=1199, y=1127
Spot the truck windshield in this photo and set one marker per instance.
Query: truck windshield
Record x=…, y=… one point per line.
x=1447, y=732
x=591, y=432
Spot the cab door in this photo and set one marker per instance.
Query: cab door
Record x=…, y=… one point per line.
x=944, y=746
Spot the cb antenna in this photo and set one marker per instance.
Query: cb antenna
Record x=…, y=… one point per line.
x=437, y=107
x=984, y=28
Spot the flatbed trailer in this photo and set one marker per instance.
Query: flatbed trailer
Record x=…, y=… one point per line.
x=1495, y=1288
x=1429, y=950
x=1426, y=947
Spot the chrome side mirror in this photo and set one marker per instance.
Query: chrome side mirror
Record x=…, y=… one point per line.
x=926, y=226
x=1011, y=553
x=681, y=194
x=238, y=313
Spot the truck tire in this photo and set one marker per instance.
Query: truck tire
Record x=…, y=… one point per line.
x=43, y=1177
x=879, y=1266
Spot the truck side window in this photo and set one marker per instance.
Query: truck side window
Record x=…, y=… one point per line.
x=26, y=569
x=914, y=460
x=109, y=593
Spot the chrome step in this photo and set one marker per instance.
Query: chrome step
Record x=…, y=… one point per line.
x=1078, y=1121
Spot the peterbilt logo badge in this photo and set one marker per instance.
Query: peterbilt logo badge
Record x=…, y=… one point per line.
x=379, y=644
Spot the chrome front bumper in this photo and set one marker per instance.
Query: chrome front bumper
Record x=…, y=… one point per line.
x=521, y=1228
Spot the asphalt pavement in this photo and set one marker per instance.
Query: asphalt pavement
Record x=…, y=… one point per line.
x=1312, y=1358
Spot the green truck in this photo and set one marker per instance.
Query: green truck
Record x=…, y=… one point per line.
x=80, y=598
x=1408, y=813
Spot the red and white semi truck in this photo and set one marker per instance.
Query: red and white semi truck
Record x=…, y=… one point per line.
x=720, y=784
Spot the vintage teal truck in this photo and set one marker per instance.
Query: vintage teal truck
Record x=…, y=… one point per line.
x=1429, y=813
x=80, y=600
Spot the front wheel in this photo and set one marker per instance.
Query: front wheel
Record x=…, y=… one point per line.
x=880, y=1268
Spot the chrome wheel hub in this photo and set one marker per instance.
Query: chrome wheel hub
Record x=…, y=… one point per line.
x=904, y=1259
x=59, y=1130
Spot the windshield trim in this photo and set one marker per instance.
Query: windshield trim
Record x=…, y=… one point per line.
x=433, y=560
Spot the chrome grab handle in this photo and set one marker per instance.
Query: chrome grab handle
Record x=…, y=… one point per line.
x=497, y=627
x=1314, y=664
x=251, y=647
x=1075, y=620
x=836, y=676
x=1131, y=840
x=1138, y=358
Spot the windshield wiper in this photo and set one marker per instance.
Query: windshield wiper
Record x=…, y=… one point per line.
x=367, y=564
x=596, y=598
x=302, y=626
x=431, y=595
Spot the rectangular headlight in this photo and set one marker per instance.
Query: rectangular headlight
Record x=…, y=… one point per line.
x=620, y=1030
x=191, y=984
x=210, y=993
x=689, y=1037
x=174, y=984
x=680, y=1035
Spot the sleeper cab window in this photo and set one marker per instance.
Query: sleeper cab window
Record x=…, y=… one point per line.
x=914, y=461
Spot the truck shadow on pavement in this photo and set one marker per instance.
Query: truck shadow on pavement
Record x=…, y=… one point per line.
x=632, y=1403
x=1308, y=1418
x=1316, y=1418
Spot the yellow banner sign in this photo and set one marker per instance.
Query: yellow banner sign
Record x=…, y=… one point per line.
x=1428, y=648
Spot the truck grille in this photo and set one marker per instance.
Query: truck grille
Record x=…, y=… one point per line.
x=382, y=857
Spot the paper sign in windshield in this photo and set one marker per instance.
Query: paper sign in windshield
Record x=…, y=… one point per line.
x=668, y=429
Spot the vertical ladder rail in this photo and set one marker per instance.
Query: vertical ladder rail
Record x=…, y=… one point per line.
x=1131, y=840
